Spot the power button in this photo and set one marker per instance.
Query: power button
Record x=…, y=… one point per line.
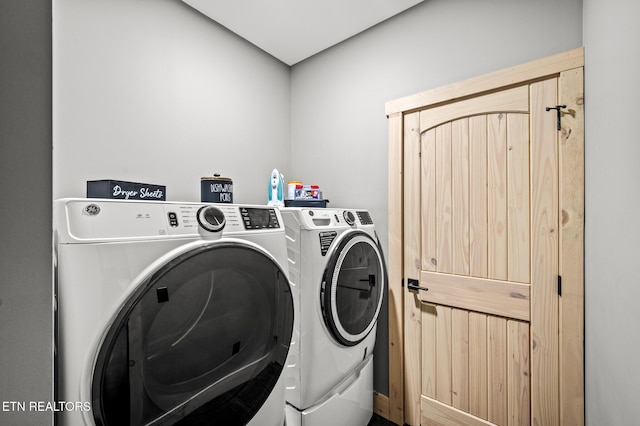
x=173, y=219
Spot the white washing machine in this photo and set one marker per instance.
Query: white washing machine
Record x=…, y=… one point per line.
x=338, y=279
x=170, y=313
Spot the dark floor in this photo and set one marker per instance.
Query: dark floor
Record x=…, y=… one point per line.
x=376, y=420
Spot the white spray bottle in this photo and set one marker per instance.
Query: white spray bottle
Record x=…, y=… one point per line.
x=276, y=194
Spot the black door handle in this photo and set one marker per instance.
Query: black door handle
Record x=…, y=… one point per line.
x=413, y=285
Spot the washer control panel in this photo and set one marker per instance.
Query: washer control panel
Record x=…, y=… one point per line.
x=324, y=218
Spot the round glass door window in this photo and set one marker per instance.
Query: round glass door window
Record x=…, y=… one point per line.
x=353, y=288
x=203, y=340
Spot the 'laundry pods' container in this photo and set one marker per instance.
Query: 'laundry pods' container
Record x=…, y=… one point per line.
x=216, y=189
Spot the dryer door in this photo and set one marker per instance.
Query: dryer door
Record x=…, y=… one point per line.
x=353, y=288
x=202, y=340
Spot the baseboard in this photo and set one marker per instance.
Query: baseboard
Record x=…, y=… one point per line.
x=381, y=405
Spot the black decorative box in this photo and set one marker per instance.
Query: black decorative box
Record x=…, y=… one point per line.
x=123, y=190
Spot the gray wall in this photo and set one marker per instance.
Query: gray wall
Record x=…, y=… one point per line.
x=612, y=56
x=26, y=345
x=339, y=130
x=152, y=91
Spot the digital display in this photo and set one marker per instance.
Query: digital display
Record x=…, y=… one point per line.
x=257, y=218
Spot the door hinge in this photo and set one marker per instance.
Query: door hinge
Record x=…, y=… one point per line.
x=559, y=285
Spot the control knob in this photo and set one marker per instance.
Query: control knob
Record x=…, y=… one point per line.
x=349, y=217
x=211, y=218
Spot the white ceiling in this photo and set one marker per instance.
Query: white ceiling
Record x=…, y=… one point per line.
x=293, y=30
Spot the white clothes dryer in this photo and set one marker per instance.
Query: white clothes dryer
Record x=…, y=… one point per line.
x=338, y=278
x=170, y=313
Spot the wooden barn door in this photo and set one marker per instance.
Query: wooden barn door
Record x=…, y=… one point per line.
x=486, y=249
x=481, y=244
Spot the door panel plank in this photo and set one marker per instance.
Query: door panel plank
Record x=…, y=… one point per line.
x=544, y=255
x=518, y=196
x=460, y=195
x=443, y=354
x=478, y=377
x=443, y=196
x=571, y=89
x=429, y=344
x=395, y=292
x=412, y=183
x=497, y=332
x=478, y=196
x=497, y=196
x=518, y=367
x=411, y=266
x=510, y=100
x=428, y=211
x=460, y=359
x=437, y=413
x=477, y=294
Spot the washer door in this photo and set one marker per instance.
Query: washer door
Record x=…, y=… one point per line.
x=353, y=288
x=203, y=339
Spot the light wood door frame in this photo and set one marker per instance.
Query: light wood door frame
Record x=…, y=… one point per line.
x=568, y=68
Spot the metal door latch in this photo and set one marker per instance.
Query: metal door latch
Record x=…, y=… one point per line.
x=558, y=112
x=413, y=285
